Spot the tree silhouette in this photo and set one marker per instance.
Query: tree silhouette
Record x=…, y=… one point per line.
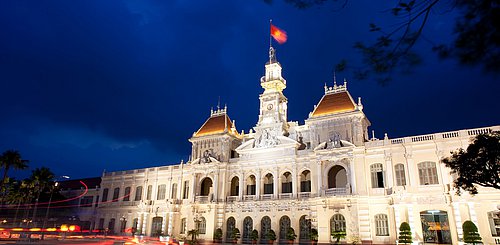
x=476, y=40
x=478, y=165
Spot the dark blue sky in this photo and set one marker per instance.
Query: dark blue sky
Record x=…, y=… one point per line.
x=93, y=85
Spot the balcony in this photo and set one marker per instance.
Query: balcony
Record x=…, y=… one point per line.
x=336, y=192
x=231, y=198
x=266, y=197
x=286, y=196
x=249, y=198
x=304, y=195
x=201, y=199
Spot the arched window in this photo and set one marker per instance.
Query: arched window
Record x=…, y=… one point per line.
x=337, y=223
x=377, y=175
x=230, y=225
x=305, y=228
x=206, y=187
x=251, y=185
x=183, y=225
x=284, y=225
x=427, y=173
x=126, y=196
x=105, y=195
x=286, y=183
x=337, y=177
x=494, y=220
x=268, y=184
x=202, y=225
x=111, y=226
x=265, y=226
x=399, y=171
x=116, y=194
x=305, y=181
x=173, y=195
x=156, y=226
x=247, y=229
x=381, y=225
x=138, y=193
x=162, y=189
x=235, y=186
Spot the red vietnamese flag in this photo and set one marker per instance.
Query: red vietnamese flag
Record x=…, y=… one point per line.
x=278, y=34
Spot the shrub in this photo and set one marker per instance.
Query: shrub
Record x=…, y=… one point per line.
x=313, y=235
x=218, y=234
x=254, y=236
x=271, y=235
x=290, y=235
x=471, y=235
x=405, y=233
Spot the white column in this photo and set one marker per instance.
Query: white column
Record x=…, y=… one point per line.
x=458, y=220
x=295, y=184
x=241, y=183
x=144, y=223
x=170, y=222
x=276, y=182
x=258, y=184
x=320, y=178
x=193, y=188
x=164, y=223
x=216, y=187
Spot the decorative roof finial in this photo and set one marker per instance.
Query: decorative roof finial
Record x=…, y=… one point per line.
x=334, y=78
x=218, y=103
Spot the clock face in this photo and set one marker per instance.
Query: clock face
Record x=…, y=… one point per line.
x=270, y=106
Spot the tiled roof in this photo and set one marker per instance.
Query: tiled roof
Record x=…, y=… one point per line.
x=76, y=185
x=334, y=103
x=214, y=125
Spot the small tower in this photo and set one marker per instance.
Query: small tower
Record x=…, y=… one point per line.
x=273, y=104
x=216, y=139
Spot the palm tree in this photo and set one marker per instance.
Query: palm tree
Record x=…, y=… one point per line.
x=40, y=178
x=11, y=159
x=23, y=194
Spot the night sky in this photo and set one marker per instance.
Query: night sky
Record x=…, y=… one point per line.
x=88, y=86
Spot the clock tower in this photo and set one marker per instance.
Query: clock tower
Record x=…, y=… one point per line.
x=273, y=105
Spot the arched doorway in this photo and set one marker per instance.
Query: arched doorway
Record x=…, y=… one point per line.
x=268, y=184
x=251, y=183
x=247, y=229
x=284, y=225
x=305, y=181
x=206, y=187
x=435, y=226
x=156, y=226
x=286, y=183
x=230, y=225
x=337, y=177
x=265, y=226
x=235, y=186
x=305, y=230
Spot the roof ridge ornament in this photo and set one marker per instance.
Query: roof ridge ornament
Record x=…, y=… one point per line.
x=219, y=111
x=336, y=88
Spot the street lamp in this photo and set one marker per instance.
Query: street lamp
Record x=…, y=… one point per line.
x=48, y=205
x=123, y=224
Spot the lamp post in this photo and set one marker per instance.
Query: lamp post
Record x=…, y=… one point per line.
x=48, y=205
x=123, y=223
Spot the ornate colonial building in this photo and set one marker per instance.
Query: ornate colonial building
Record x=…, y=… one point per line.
x=326, y=174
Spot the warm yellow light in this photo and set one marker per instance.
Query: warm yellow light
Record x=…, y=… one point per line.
x=64, y=228
x=51, y=229
x=17, y=229
x=35, y=229
x=2, y=229
x=72, y=228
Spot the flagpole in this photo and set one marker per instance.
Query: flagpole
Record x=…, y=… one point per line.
x=270, y=37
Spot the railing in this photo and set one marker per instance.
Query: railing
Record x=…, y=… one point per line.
x=285, y=195
x=266, y=197
x=304, y=195
x=231, y=198
x=466, y=133
x=249, y=197
x=201, y=199
x=336, y=192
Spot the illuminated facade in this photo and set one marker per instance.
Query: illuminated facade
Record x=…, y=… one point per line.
x=326, y=174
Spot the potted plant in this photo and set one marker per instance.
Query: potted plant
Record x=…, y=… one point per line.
x=405, y=233
x=218, y=235
x=235, y=235
x=338, y=235
x=290, y=235
x=271, y=236
x=471, y=235
x=313, y=236
x=254, y=236
x=194, y=234
x=182, y=240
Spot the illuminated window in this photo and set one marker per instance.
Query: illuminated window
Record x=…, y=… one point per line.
x=427, y=173
x=202, y=225
x=183, y=225
x=377, y=175
x=126, y=198
x=116, y=194
x=149, y=192
x=381, y=225
x=185, y=193
x=105, y=195
x=399, y=171
x=174, y=191
x=161, y=192
x=337, y=223
x=138, y=193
